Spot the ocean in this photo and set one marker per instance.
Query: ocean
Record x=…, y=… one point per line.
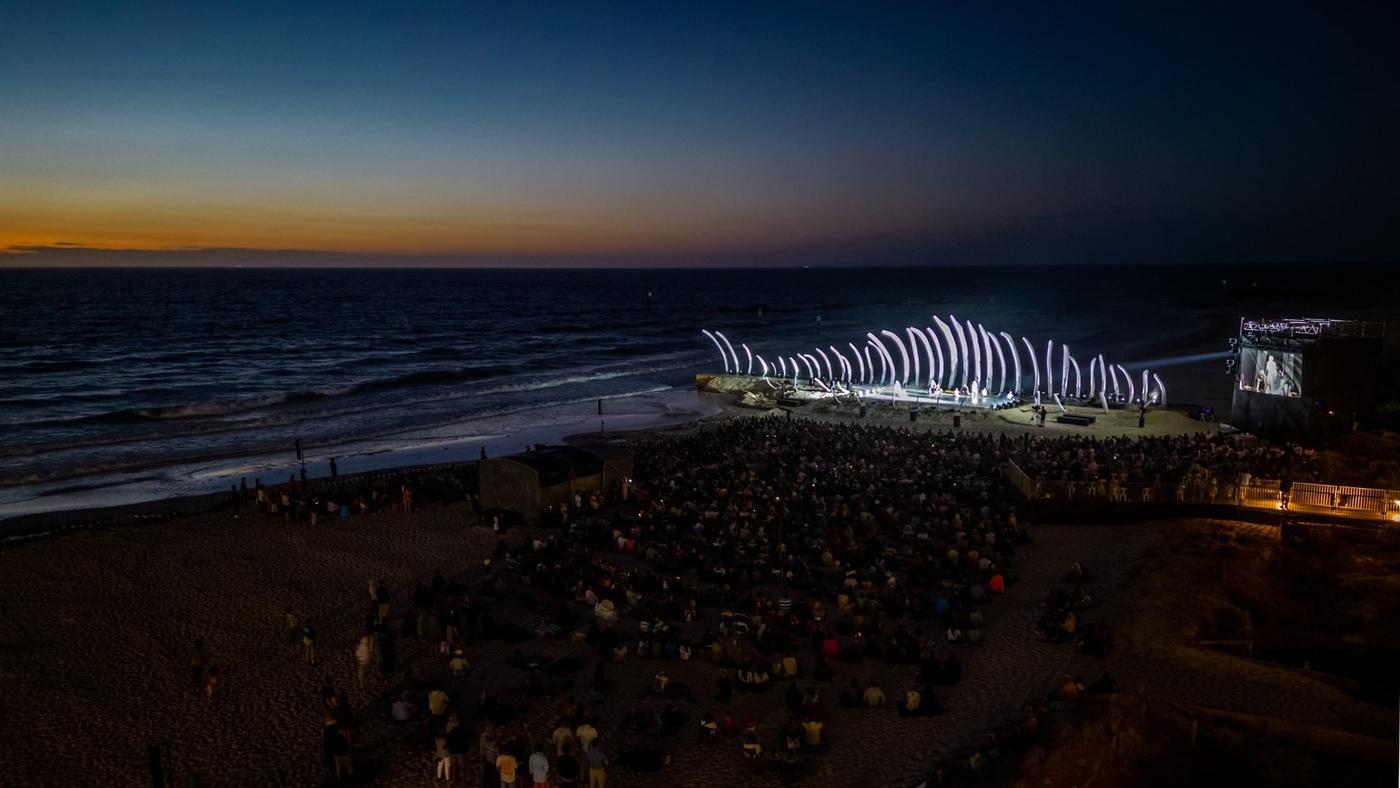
x=119, y=385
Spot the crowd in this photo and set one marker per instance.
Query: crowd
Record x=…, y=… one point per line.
x=778, y=551
x=1223, y=458
x=301, y=501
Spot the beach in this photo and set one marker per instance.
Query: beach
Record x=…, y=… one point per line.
x=98, y=623
x=139, y=503
x=97, y=626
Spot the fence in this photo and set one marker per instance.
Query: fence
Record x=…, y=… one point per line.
x=1307, y=497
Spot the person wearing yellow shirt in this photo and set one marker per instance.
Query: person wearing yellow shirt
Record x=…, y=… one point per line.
x=812, y=733
x=507, y=766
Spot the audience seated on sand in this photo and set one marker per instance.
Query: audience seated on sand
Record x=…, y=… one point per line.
x=873, y=695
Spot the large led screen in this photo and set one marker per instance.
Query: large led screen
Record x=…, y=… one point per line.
x=1274, y=372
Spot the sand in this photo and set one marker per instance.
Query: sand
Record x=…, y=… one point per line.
x=96, y=627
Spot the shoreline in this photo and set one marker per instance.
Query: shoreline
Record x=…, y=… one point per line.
x=113, y=494
x=26, y=527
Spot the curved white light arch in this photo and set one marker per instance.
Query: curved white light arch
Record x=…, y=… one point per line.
x=1093, y=362
x=840, y=359
x=1078, y=381
x=903, y=355
x=1015, y=358
x=1035, y=366
x=909, y=333
x=883, y=368
x=962, y=346
x=859, y=362
x=782, y=367
x=829, y=374
x=938, y=348
x=976, y=342
x=886, y=360
x=718, y=347
x=749, y=354
x=792, y=362
x=987, y=358
x=1049, y=368
x=810, y=372
x=1132, y=390
x=1001, y=362
x=888, y=363
x=952, y=350
x=1161, y=391
x=1064, y=370
x=928, y=351
x=1113, y=376
x=870, y=365
x=721, y=335
x=816, y=365
x=764, y=363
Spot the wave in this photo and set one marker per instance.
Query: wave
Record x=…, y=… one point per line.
x=446, y=351
x=39, y=367
x=260, y=449
x=223, y=408
x=429, y=377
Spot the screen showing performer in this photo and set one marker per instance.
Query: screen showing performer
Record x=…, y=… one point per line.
x=1275, y=372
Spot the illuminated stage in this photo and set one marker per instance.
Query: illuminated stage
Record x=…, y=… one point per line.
x=951, y=364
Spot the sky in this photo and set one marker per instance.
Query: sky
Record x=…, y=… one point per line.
x=714, y=133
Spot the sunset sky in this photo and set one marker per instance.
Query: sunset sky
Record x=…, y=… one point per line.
x=744, y=133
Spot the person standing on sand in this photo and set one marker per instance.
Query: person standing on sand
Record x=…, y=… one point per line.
x=341, y=753
x=539, y=767
x=489, y=747
x=308, y=643
x=328, y=695
x=260, y=493
x=567, y=768
x=597, y=766
x=364, y=654
x=211, y=682
x=293, y=629
x=382, y=597
x=197, y=660
x=328, y=746
x=506, y=765
x=442, y=758
x=388, y=650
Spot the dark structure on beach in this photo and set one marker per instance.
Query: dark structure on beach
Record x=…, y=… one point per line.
x=1304, y=377
x=535, y=484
